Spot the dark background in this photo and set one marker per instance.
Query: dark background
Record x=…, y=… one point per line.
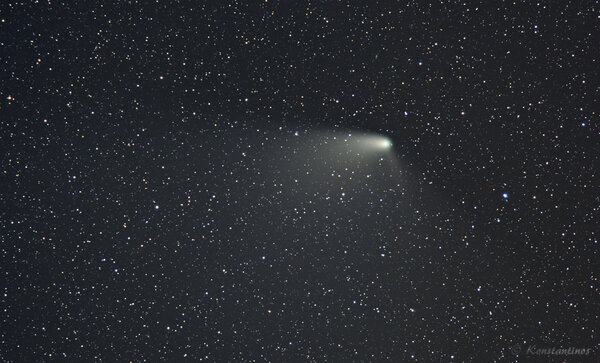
x=112, y=109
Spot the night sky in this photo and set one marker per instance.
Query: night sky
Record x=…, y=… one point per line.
x=299, y=181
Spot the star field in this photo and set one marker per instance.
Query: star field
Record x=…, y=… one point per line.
x=315, y=181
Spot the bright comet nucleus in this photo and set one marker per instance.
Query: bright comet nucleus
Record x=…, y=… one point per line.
x=383, y=143
x=377, y=142
x=368, y=143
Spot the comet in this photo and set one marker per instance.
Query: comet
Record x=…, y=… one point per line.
x=368, y=143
